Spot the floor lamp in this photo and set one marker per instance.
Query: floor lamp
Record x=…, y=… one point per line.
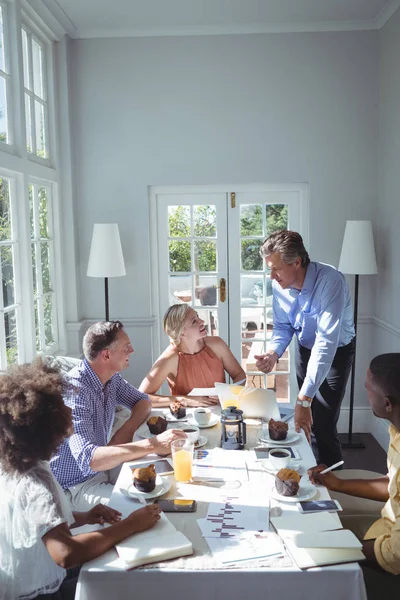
x=106, y=258
x=357, y=258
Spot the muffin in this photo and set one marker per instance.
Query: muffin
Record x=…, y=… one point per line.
x=287, y=482
x=144, y=479
x=157, y=425
x=277, y=430
x=178, y=410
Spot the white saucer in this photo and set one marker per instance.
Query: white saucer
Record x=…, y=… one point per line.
x=292, y=436
x=267, y=466
x=173, y=419
x=211, y=423
x=304, y=493
x=144, y=432
x=162, y=487
x=202, y=441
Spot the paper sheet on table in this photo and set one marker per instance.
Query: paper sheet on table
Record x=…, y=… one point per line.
x=249, y=547
x=219, y=465
x=230, y=518
x=203, y=392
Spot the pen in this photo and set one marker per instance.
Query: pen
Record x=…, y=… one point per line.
x=332, y=467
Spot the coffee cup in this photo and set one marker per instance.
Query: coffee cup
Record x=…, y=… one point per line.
x=279, y=457
x=202, y=415
x=192, y=432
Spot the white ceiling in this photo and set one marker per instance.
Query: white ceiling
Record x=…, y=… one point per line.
x=115, y=18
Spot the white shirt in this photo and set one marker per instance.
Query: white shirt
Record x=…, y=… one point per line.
x=31, y=505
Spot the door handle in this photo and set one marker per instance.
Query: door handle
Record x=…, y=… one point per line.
x=222, y=290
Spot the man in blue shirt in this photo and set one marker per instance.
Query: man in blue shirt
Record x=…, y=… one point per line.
x=83, y=462
x=312, y=301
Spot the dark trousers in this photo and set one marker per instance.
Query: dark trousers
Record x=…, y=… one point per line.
x=67, y=589
x=327, y=401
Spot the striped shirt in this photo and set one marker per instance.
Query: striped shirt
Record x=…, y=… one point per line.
x=93, y=408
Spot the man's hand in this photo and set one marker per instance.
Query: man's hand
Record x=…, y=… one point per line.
x=303, y=420
x=329, y=480
x=162, y=443
x=266, y=362
x=102, y=514
x=143, y=518
x=196, y=401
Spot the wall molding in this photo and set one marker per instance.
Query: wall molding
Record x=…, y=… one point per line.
x=76, y=326
x=386, y=326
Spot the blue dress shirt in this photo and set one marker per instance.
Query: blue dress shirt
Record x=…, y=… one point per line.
x=93, y=409
x=320, y=315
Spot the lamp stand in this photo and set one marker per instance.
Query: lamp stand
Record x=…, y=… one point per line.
x=347, y=440
x=106, y=298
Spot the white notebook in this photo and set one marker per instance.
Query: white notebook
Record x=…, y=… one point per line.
x=316, y=557
x=343, y=538
x=307, y=523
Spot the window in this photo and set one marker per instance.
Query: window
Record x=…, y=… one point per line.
x=42, y=249
x=10, y=322
x=4, y=81
x=36, y=109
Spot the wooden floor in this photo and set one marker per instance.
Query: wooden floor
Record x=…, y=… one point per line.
x=372, y=458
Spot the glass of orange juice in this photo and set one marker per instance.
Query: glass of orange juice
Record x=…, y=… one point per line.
x=182, y=459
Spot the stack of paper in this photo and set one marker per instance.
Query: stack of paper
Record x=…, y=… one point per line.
x=220, y=465
x=317, y=539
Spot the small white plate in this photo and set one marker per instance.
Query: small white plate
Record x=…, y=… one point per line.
x=170, y=417
x=144, y=432
x=162, y=487
x=202, y=441
x=291, y=437
x=267, y=466
x=304, y=493
x=211, y=423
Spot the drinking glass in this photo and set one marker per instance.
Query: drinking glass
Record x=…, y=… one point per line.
x=182, y=459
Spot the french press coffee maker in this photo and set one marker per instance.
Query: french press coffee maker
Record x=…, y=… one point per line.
x=233, y=429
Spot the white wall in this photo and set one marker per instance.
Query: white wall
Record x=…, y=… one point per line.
x=387, y=330
x=220, y=109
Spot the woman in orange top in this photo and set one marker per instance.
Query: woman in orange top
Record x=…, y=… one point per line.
x=193, y=359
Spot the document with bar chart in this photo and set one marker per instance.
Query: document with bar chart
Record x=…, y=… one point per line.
x=232, y=517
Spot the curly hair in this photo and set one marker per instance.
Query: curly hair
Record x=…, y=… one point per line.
x=100, y=336
x=33, y=417
x=289, y=244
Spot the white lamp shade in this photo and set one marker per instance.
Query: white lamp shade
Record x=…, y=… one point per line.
x=106, y=258
x=358, y=251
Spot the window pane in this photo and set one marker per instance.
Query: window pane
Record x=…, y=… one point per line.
x=5, y=211
x=277, y=217
x=179, y=256
x=37, y=61
x=45, y=258
x=10, y=325
x=180, y=288
x=2, y=62
x=31, y=213
x=3, y=111
x=40, y=130
x=37, y=326
x=34, y=269
x=25, y=54
x=205, y=256
x=251, y=259
x=205, y=220
x=206, y=291
x=7, y=274
x=28, y=119
x=48, y=320
x=43, y=220
x=179, y=221
x=251, y=220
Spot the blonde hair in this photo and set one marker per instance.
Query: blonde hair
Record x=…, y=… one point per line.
x=174, y=321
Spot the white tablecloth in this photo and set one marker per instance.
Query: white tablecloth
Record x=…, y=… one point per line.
x=199, y=576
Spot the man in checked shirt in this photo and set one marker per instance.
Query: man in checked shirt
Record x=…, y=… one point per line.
x=84, y=461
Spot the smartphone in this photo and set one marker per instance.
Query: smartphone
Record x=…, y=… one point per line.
x=312, y=506
x=262, y=452
x=162, y=467
x=177, y=505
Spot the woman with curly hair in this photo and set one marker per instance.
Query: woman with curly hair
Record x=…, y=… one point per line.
x=36, y=544
x=193, y=359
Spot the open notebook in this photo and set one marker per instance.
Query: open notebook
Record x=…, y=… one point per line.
x=162, y=542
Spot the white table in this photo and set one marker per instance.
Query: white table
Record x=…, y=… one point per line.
x=198, y=577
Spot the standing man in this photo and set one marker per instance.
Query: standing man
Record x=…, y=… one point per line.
x=312, y=301
x=83, y=462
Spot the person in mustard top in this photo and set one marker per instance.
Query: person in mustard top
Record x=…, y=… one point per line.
x=381, y=537
x=192, y=360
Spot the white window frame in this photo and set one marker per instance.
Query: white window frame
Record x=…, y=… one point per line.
x=8, y=146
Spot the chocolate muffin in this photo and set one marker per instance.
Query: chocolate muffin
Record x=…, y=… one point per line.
x=144, y=479
x=277, y=430
x=178, y=410
x=157, y=425
x=287, y=482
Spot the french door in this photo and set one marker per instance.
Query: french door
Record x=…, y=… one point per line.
x=205, y=251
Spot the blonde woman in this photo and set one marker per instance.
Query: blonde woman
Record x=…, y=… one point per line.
x=193, y=359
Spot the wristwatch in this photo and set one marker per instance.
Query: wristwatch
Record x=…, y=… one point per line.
x=304, y=403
